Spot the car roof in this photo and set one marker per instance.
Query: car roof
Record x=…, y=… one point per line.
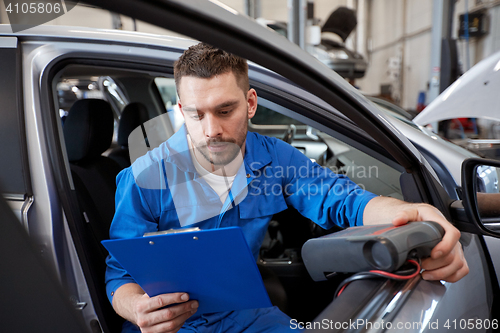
x=95, y=34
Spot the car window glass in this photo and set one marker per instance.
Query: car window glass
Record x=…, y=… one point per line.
x=71, y=89
x=168, y=92
x=396, y=115
x=114, y=92
x=266, y=116
x=328, y=151
x=121, y=89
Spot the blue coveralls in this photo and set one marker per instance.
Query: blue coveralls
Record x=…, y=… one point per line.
x=162, y=190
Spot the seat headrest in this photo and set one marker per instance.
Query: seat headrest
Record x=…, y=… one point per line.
x=88, y=129
x=133, y=116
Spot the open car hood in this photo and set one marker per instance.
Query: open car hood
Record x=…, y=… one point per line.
x=341, y=21
x=474, y=95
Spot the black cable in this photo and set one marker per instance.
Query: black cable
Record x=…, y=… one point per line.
x=398, y=275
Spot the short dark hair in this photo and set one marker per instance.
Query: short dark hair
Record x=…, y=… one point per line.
x=205, y=61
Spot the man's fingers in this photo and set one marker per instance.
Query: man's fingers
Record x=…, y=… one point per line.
x=459, y=274
x=430, y=264
x=169, y=317
x=403, y=217
x=173, y=325
x=451, y=267
x=425, y=212
x=158, y=302
x=447, y=260
x=449, y=241
x=449, y=274
x=176, y=311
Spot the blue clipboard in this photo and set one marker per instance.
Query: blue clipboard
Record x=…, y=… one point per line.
x=215, y=267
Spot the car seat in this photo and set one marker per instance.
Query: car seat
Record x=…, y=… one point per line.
x=88, y=131
x=133, y=116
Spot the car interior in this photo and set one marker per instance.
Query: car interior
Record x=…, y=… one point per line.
x=111, y=115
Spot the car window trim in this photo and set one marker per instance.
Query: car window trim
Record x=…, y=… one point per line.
x=8, y=44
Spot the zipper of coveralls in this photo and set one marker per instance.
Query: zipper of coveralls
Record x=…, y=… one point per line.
x=221, y=215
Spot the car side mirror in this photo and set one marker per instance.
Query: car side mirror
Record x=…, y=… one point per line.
x=482, y=194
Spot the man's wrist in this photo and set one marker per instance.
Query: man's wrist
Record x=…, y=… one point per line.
x=126, y=299
x=134, y=307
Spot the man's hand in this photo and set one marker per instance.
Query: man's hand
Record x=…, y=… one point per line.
x=149, y=313
x=447, y=261
x=151, y=316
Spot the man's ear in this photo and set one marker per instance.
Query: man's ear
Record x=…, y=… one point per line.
x=252, y=102
x=180, y=107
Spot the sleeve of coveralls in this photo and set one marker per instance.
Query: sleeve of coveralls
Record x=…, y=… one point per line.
x=320, y=194
x=132, y=218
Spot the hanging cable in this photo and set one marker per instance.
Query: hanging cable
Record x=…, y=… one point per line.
x=401, y=275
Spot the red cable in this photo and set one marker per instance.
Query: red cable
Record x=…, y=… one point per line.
x=342, y=289
x=391, y=275
x=400, y=277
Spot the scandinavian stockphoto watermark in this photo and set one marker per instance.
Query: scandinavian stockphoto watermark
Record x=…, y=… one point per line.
x=26, y=14
x=309, y=180
x=359, y=324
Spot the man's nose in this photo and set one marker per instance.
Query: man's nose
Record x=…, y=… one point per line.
x=213, y=127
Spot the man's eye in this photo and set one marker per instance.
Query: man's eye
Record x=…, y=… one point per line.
x=226, y=112
x=196, y=116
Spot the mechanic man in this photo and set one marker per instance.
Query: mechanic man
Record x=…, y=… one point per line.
x=212, y=174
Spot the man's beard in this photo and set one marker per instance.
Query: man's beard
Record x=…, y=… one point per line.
x=231, y=150
x=229, y=153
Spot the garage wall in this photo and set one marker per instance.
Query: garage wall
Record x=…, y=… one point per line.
x=389, y=35
x=277, y=9
x=86, y=16
x=398, y=51
x=486, y=45
x=3, y=13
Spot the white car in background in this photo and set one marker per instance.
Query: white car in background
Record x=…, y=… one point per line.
x=473, y=95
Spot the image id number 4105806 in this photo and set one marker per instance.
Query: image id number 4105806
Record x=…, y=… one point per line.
x=469, y=324
x=33, y=8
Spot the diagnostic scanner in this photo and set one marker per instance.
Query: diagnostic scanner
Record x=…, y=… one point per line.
x=360, y=249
